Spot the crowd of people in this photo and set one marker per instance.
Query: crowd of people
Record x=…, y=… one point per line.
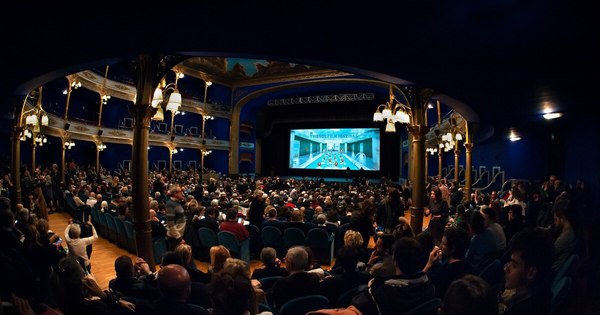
x=533, y=230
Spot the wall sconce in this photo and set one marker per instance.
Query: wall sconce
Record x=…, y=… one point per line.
x=100, y=146
x=393, y=111
x=69, y=144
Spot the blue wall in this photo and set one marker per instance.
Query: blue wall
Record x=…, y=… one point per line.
x=112, y=157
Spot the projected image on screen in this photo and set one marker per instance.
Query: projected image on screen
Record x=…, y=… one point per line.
x=335, y=149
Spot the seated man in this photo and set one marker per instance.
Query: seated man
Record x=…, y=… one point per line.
x=299, y=283
x=407, y=289
x=455, y=243
x=333, y=287
x=175, y=286
x=470, y=295
x=268, y=256
x=128, y=284
x=231, y=225
x=528, y=274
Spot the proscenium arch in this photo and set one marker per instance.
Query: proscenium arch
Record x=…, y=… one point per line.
x=238, y=107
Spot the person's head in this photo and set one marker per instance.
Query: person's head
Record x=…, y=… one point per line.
x=232, y=295
x=477, y=222
x=68, y=281
x=174, y=282
x=231, y=214
x=74, y=231
x=353, y=238
x=435, y=194
x=42, y=226
x=489, y=215
x=402, y=229
x=218, y=255
x=333, y=216
x=469, y=295
x=408, y=256
x=176, y=192
x=532, y=254
x=236, y=267
x=455, y=243
x=124, y=267
x=347, y=257
x=296, y=259
x=171, y=258
x=185, y=251
x=384, y=244
x=268, y=255
x=515, y=213
x=562, y=212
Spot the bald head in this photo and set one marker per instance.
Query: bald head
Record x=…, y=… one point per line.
x=174, y=282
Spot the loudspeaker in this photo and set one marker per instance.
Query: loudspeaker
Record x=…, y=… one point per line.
x=203, y=141
x=100, y=132
x=172, y=138
x=67, y=125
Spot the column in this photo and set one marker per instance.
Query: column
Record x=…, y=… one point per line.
x=467, y=190
x=418, y=181
x=417, y=130
x=15, y=162
x=258, y=156
x=142, y=113
x=33, y=149
x=456, y=157
x=440, y=155
x=62, y=160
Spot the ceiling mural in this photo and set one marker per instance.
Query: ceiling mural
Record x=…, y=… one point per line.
x=237, y=70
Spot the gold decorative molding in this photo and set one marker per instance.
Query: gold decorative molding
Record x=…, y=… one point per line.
x=81, y=128
x=117, y=133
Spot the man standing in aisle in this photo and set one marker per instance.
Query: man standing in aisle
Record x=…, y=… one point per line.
x=175, y=217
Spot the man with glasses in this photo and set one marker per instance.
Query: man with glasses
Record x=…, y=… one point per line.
x=175, y=217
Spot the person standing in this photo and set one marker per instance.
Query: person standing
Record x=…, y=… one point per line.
x=175, y=217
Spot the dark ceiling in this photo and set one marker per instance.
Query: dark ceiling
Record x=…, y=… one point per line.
x=502, y=58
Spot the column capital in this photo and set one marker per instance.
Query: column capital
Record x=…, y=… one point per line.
x=142, y=115
x=468, y=146
x=418, y=131
x=456, y=151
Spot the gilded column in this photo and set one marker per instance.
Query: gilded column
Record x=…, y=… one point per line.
x=468, y=149
x=418, y=181
x=142, y=113
x=456, y=157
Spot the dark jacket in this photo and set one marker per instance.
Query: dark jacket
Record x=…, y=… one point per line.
x=395, y=295
x=297, y=285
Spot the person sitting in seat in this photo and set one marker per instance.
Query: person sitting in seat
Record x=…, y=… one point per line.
x=528, y=273
x=130, y=285
x=408, y=288
x=271, y=263
x=299, y=283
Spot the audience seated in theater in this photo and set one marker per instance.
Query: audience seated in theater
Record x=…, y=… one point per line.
x=491, y=224
x=514, y=222
x=402, y=229
x=447, y=262
x=231, y=225
x=239, y=268
x=272, y=219
x=381, y=263
x=297, y=221
x=299, y=283
x=130, y=285
x=271, y=265
x=158, y=228
x=470, y=295
x=333, y=287
x=312, y=266
x=353, y=239
x=175, y=288
x=199, y=291
x=528, y=274
x=403, y=291
x=233, y=295
x=565, y=243
x=210, y=220
x=218, y=254
x=197, y=275
x=77, y=293
x=482, y=241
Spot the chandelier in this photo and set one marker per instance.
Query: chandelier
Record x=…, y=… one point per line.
x=167, y=97
x=34, y=118
x=392, y=112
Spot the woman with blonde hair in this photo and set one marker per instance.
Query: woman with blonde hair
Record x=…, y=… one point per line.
x=239, y=268
x=218, y=256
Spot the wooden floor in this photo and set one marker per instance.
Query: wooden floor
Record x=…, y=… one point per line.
x=104, y=252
